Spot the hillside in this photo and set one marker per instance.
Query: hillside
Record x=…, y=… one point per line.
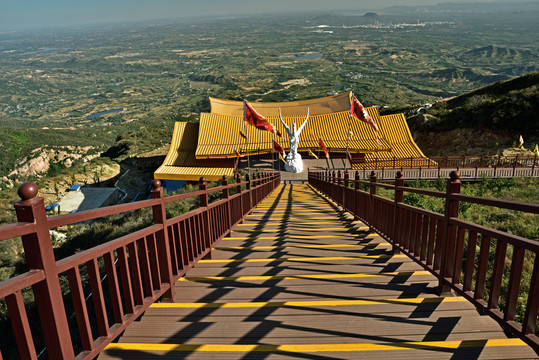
x=487, y=119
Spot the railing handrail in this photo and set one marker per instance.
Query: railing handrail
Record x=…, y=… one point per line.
x=503, y=204
x=438, y=243
x=140, y=267
x=501, y=160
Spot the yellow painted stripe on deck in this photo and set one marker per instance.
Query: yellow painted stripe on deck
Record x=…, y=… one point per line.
x=322, y=258
x=273, y=217
x=294, y=277
x=301, y=246
x=288, y=222
x=298, y=229
x=317, y=303
x=295, y=237
x=295, y=208
x=309, y=348
x=282, y=212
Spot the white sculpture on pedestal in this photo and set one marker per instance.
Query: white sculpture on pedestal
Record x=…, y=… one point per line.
x=295, y=163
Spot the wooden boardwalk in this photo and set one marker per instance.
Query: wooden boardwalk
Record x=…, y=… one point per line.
x=300, y=280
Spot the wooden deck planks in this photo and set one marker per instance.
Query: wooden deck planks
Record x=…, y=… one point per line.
x=298, y=271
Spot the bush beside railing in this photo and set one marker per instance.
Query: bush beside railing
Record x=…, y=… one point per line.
x=140, y=267
x=497, y=271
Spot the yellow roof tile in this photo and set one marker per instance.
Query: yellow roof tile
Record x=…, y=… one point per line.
x=181, y=164
x=319, y=106
x=219, y=134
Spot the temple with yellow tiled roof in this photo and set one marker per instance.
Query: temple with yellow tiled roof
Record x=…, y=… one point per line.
x=208, y=148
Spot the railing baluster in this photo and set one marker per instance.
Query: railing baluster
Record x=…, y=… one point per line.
x=154, y=262
x=424, y=238
x=145, y=267
x=532, y=306
x=135, y=273
x=97, y=298
x=81, y=312
x=497, y=272
x=513, y=287
x=470, y=261
x=439, y=246
x=126, y=281
x=431, y=240
x=172, y=247
x=21, y=327
x=482, y=269
x=114, y=288
x=461, y=232
x=184, y=231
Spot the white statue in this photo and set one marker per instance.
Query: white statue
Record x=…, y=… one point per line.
x=295, y=163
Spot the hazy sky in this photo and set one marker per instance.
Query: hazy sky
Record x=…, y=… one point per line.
x=22, y=14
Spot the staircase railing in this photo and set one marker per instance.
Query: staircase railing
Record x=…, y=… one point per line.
x=140, y=268
x=497, y=271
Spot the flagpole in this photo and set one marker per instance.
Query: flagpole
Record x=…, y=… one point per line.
x=246, y=141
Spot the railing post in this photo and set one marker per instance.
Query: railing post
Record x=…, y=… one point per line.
x=345, y=189
x=248, y=188
x=397, y=219
x=450, y=233
x=373, y=182
x=338, y=195
x=238, y=191
x=203, y=186
x=40, y=256
x=371, y=199
x=226, y=195
x=163, y=246
x=356, y=189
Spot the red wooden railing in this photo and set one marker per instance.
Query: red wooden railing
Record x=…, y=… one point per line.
x=447, y=246
x=140, y=267
x=453, y=161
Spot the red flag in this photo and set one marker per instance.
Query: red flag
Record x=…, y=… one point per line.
x=255, y=119
x=238, y=154
x=358, y=111
x=278, y=148
x=243, y=135
x=321, y=143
